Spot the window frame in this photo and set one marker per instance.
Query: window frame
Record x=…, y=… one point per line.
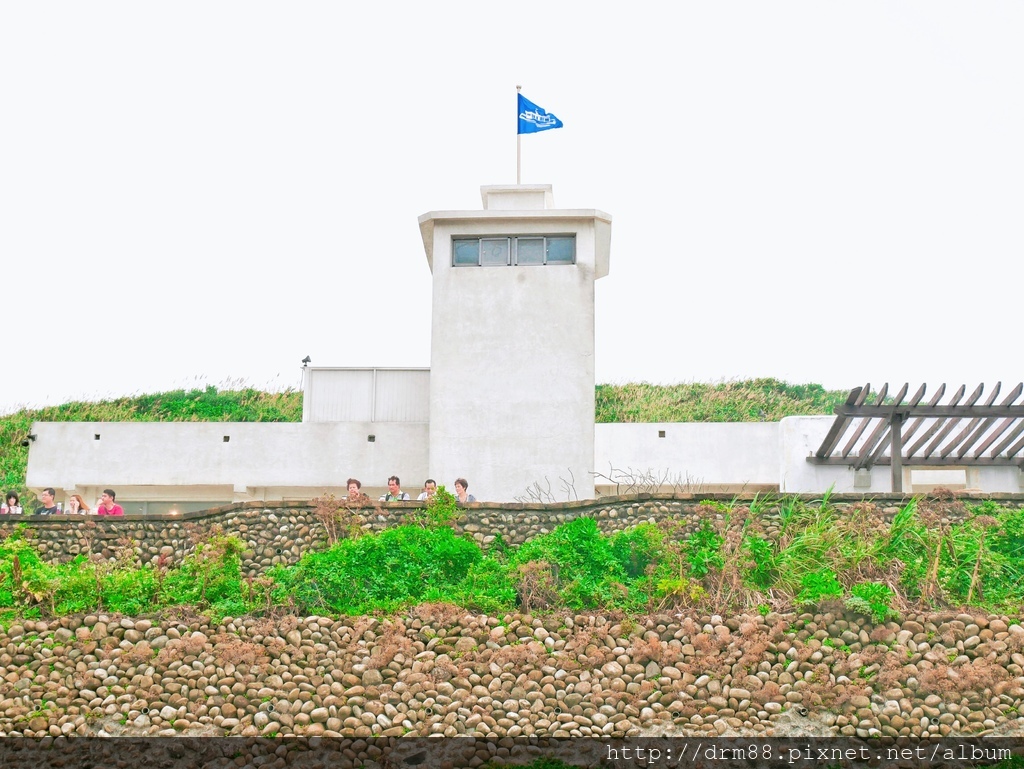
x=512, y=246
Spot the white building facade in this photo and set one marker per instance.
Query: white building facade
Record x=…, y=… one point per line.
x=512, y=340
x=508, y=402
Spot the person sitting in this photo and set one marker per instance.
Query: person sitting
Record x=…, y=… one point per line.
x=395, y=493
x=77, y=506
x=107, y=505
x=461, y=487
x=355, y=492
x=10, y=505
x=49, y=507
x=429, y=488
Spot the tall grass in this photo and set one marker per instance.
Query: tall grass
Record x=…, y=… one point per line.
x=739, y=401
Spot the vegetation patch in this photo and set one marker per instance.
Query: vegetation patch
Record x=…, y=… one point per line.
x=770, y=555
x=753, y=400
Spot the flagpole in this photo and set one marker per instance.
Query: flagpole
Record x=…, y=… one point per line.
x=518, y=139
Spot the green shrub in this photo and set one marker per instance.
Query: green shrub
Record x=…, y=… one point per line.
x=210, y=574
x=79, y=589
x=818, y=586
x=442, y=509
x=637, y=548
x=703, y=549
x=488, y=587
x=586, y=573
x=873, y=599
x=762, y=573
x=133, y=591
x=378, y=571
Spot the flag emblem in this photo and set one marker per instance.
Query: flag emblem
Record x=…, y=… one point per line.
x=533, y=119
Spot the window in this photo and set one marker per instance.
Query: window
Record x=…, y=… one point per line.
x=517, y=250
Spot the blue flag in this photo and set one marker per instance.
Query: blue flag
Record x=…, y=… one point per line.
x=533, y=119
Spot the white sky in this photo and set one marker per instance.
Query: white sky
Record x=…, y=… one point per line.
x=194, y=192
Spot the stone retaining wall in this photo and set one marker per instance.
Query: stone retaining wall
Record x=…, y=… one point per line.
x=437, y=671
x=280, y=533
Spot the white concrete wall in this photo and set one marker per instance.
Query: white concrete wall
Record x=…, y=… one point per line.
x=705, y=456
x=512, y=356
x=190, y=462
x=260, y=461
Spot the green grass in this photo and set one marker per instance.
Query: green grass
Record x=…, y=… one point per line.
x=751, y=400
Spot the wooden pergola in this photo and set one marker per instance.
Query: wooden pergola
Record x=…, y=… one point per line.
x=909, y=432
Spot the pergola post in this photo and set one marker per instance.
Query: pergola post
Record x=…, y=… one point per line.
x=896, y=442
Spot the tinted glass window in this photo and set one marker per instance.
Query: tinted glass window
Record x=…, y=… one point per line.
x=467, y=252
x=493, y=251
x=529, y=250
x=561, y=250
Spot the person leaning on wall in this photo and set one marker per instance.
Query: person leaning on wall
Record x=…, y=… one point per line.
x=395, y=493
x=462, y=491
x=77, y=505
x=11, y=504
x=429, y=489
x=355, y=492
x=49, y=507
x=107, y=506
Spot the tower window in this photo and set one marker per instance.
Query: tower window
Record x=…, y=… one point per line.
x=522, y=250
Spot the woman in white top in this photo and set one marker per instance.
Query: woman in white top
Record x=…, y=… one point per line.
x=10, y=505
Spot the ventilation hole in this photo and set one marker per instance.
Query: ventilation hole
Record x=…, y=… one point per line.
x=96, y=436
x=661, y=433
x=227, y=438
x=371, y=438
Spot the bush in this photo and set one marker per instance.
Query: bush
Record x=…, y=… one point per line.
x=488, y=588
x=584, y=571
x=379, y=571
x=818, y=586
x=212, y=573
x=638, y=548
x=873, y=599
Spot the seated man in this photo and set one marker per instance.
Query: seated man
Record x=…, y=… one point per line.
x=49, y=506
x=395, y=493
x=429, y=487
x=107, y=505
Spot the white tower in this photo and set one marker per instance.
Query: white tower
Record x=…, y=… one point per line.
x=512, y=342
